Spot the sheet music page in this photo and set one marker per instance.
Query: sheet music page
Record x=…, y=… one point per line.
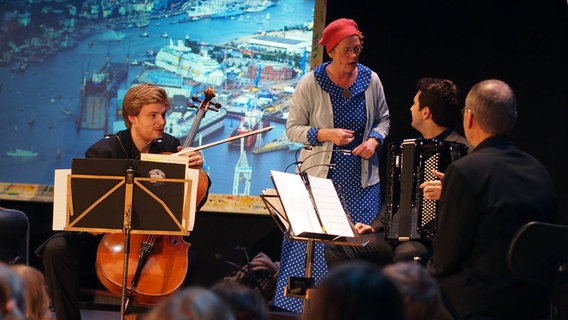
x=191, y=174
x=60, y=199
x=167, y=158
x=329, y=206
x=277, y=205
x=296, y=202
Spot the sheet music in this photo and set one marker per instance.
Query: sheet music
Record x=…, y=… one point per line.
x=330, y=207
x=276, y=203
x=191, y=174
x=296, y=202
x=60, y=199
x=167, y=158
x=300, y=211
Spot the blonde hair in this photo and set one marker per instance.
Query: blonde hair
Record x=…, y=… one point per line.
x=139, y=96
x=12, y=294
x=37, y=301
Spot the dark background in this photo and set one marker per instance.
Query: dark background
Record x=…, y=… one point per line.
x=520, y=42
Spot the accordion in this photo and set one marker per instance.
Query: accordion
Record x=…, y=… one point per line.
x=409, y=163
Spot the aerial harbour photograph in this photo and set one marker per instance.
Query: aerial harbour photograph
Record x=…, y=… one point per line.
x=66, y=65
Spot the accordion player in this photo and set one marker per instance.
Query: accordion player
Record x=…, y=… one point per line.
x=409, y=163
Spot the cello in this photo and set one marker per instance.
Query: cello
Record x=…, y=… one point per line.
x=157, y=264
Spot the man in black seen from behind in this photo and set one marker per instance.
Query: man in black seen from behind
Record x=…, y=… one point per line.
x=487, y=196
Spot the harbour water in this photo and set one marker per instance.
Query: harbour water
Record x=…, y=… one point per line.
x=39, y=106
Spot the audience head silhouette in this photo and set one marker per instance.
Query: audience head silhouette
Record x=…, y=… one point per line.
x=192, y=303
x=418, y=288
x=12, y=294
x=37, y=300
x=246, y=302
x=356, y=290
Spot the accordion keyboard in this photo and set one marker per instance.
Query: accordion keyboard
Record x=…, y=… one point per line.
x=429, y=210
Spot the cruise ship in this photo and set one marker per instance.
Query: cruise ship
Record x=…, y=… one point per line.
x=180, y=60
x=202, y=12
x=179, y=124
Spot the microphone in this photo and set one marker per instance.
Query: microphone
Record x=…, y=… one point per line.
x=299, y=163
x=134, y=161
x=344, y=151
x=329, y=165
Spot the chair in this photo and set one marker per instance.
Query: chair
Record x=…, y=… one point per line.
x=14, y=236
x=538, y=253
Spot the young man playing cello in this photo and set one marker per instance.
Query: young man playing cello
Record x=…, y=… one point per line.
x=64, y=255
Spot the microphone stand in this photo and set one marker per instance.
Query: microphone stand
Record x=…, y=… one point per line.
x=127, y=228
x=307, y=280
x=306, y=179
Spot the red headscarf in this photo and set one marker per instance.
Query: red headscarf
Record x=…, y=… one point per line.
x=337, y=31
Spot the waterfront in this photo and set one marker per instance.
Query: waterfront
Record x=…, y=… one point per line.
x=41, y=104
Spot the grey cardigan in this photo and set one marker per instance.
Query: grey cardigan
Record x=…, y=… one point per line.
x=310, y=107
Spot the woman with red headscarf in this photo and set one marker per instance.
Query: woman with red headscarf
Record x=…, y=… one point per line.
x=339, y=105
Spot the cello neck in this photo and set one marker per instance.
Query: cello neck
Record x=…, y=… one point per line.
x=190, y=139
x=203, y=107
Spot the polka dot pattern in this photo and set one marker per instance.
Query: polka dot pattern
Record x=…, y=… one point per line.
x=362, y=203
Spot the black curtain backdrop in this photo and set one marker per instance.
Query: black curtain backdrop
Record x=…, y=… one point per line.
x=520, y=42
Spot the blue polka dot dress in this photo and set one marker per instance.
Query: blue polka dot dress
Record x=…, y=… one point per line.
x=362, y=203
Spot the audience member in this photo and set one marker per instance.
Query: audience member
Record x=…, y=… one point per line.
x=487, y=196
x=12, y=294
x=418, y=288
x=355, y=290
x=192, y=303
x=37, y=300
x=247, y=303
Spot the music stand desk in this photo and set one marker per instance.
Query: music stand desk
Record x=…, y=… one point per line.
x=274, y=206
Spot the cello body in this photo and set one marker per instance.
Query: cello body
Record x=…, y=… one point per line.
x=163, y=272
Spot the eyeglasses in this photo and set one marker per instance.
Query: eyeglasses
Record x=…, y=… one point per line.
x=355, y=50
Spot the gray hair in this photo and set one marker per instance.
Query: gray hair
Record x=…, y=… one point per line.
x=494, y=104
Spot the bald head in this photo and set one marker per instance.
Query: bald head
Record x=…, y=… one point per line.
x=494, y=106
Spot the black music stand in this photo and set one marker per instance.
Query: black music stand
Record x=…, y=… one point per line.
x=297, y=286
x=99, y=188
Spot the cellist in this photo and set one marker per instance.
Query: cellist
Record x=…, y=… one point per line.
x=66, y=255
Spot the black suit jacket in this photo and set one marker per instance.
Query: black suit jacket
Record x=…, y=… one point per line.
x=487, y=196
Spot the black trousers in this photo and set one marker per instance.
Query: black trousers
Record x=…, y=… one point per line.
x=68, y=257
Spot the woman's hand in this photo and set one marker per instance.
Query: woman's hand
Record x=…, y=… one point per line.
x=339, y=137
x=366, y=149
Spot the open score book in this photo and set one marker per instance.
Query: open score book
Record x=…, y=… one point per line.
x=324, y=217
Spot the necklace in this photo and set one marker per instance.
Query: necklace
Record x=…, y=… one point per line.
x=346, y=93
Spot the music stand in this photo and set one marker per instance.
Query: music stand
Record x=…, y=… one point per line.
x=297, y=286
x=99, y=188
